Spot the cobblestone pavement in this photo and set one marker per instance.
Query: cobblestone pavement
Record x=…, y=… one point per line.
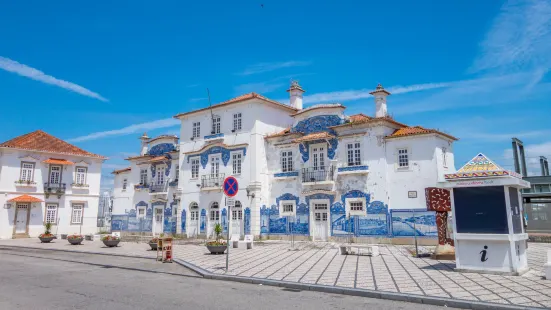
x=395, y=270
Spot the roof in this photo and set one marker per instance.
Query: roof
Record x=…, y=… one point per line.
x=417, y=130
x=363, y=119
x=43, y=142
x=320, y=106
x=240, y=99
x=356, y=118
x=57, y=161
x=481, y=167
x=314, y=136
x=121, y=170
x=138, y=157
x=480, y=163
x=157, y=159
x=25, y=198
x=162, y=137
x=380, y=89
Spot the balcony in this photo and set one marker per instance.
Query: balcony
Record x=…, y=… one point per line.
x=173, y=183
x=54, y=189
x=25, y=183
x=158, y=188
x=212, y=181
x=141, y=187
x=318, y=176
x=80, y=186
x=357, y=169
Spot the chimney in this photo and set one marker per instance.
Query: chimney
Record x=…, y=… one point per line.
x=295, y=92
x=144, y=139
x=380, y=101
x=519, y=157
x=544, y=164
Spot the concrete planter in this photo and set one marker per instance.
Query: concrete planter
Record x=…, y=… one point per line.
x=153, y=246
x=46, y=239
x=111, y=243
x=64, y=236
x=217, y=249
x=75, y=241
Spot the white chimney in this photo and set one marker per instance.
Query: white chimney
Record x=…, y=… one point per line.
x=380, y=101
x=295, y=92
x=144, y=139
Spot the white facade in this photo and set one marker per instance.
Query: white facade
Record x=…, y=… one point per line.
x=303, y=166
x=146, y=194
x=65, y=187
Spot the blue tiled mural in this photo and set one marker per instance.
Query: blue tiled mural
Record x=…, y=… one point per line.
x=203, y=219
x=184, y=221
x=404, y=221
x=247, y=221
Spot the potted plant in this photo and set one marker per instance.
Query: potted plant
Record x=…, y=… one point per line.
x=217, y=246
x=75, y=239
x=47, y=236
x=153, y=243
x=111, y=241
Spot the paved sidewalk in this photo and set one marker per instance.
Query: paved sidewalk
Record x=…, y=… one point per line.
x=395, y=270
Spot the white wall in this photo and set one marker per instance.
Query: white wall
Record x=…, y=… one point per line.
x=11, y=172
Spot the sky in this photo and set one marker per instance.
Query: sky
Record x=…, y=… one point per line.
x=98, y=74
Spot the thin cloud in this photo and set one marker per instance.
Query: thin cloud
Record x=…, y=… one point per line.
x=271, y=66
x=351, y=95
x=162, y=123
x=518, y=40
x=37, y=75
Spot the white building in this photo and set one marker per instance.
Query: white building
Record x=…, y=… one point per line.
x=146, y=195
x=308, y=170
x=45, y=179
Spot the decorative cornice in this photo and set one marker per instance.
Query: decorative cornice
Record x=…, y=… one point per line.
x=286, y=174
x=218, y=135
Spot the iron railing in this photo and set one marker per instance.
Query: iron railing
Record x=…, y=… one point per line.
x=158, y=188
x=311, y=175
x=54, y=189
x=212, y=180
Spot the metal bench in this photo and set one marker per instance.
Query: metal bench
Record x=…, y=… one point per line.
x=372, y=250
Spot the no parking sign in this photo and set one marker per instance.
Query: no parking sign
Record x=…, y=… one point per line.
x=231, y=187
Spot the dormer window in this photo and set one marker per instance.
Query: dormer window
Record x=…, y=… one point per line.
x=215, y=124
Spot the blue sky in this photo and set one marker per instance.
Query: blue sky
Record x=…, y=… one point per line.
x=100, y=74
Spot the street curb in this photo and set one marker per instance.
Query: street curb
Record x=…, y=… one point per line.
x=428, y=300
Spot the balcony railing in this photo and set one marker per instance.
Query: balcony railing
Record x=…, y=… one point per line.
x=173, y=183
x=25, y=183
x=158, y=188
x=54, y=189
x=139, y=187
x=312, y=175
x=212, y=180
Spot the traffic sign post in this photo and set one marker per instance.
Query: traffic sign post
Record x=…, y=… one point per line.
x=231, y=187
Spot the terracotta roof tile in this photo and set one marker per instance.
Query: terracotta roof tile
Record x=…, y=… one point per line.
x=314, y=136
x=25, y=198
x=417, y=130
x=240, y=99
x=57, y=161
x=284, y=132
x=356, y=118
x=121, y=170
x=40, y=141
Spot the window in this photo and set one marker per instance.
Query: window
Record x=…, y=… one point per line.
x=27, y=172
x=214, y=212
x=143, y=176
x=76, y=215
x=287, y=161
x=356, y=206
x=81, y=175
x=403, y=159
x=161, y=175
x=215, y=124
x=215, y=165
x=319, y=155
x=141, y=212
x=288, y=208
x=237, y=121
x=55, y=174
x=236, y=163
x=354, y=158
x=124, y=184
x=444, y=158
x=51, y=213
x=237, y=215
x=196, y=130
x=194, y=215
x=195, y=168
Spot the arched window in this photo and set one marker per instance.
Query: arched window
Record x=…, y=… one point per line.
x=214, y=205
x=214, y=212
x=194, y=211
x=193, y=205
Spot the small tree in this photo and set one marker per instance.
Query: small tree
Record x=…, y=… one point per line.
x=47, y=228
x=218, y=231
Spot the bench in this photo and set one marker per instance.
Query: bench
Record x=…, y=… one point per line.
x=235, y=241
x=248, y=241
x=372, y=250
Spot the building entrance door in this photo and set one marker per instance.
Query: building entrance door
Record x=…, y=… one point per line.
x=214, y=218
x=237, y=219
x=21, y=219
x=320, y=221
x=158, y=221
x=193, y=221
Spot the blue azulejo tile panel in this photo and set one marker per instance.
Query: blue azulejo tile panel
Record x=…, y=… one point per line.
x=286, y=174
x=161, y=148
x=264, y=220
x=247, y=221
x=224, y=152
x=353, y=168
x=129, y=222
x=183, y=221
x=214, y=136
x=317, y=124
x=203, y=224
x=225, y=220
x=407, y=223
x=372, y=224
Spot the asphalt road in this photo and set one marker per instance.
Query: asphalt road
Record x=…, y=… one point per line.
x=37, y=279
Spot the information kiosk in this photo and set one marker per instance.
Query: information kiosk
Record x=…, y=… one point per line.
x=487, y=218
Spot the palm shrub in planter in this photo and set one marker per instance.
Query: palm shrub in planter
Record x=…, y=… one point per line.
x=217, y=246
x=111, y=241
x=47, y=236
x=75, y=239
